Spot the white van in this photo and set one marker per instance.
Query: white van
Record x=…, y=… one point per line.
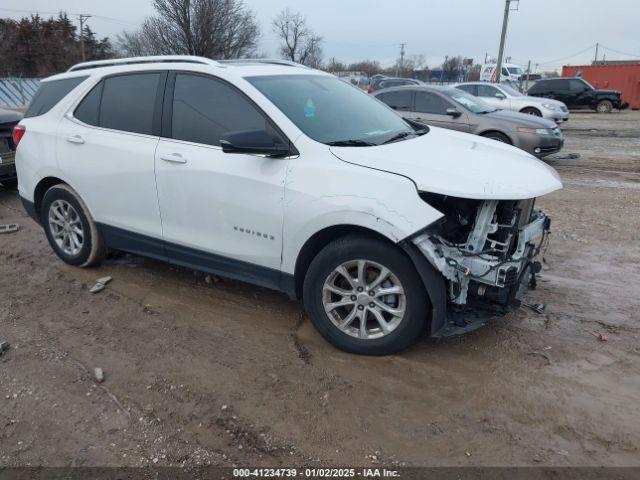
x=509, y=71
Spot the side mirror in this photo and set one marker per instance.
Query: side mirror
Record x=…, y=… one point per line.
x=254, y=142
x=500, y=96
x=453, y=112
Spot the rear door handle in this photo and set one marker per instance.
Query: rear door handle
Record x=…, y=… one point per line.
x=75, y=139
x=173, y=158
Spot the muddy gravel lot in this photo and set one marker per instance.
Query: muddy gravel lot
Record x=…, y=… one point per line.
x=205, y=371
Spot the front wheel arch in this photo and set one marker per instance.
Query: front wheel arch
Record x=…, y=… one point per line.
x=321, y=239
x=531, y=111
x=492, y=133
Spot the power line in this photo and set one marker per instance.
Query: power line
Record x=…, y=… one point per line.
x=568, y=57
x=619, y=52
x=34, y=12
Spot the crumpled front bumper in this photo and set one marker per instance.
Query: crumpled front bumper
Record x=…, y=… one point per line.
x=481, y=287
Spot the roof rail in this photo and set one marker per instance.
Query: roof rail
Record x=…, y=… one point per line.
x=270, y=61
x=141, y=60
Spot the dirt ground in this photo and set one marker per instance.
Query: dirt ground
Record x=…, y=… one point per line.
x=225, y=373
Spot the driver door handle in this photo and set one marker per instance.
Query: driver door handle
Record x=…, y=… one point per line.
x=173, y=158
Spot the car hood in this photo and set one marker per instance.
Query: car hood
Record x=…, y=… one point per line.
x=520, y=119
x=460, y=165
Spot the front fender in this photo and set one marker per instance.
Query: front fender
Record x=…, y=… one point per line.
x=385, y=203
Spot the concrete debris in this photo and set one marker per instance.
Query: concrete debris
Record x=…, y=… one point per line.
x=9, y=228
x=98, y=374
x=563, y=156
x=101, y=283
x=539, y=308
x=4, y=346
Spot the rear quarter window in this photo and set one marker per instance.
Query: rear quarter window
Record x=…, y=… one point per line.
x=50, y=93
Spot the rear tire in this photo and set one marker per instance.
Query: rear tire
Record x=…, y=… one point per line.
x=69, y=227
x=381, y=323
x=498, y=137
x=531, y=111
x=604, y=106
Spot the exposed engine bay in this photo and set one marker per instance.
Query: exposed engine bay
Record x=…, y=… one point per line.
x=485, y=249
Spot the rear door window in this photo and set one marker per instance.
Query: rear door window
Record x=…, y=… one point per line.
x=427, y=102
x=400, y=100
x=129, y=101
x=50, y=93
x=125, y=102
x=89, y=108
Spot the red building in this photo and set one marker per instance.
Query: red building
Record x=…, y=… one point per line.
x=623, y=76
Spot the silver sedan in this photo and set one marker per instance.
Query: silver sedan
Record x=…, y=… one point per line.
x=455, y=109
x=505, y=97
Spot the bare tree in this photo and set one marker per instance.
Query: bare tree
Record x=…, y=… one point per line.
x=298, y=42
x=370, y=67
x=452, y=67
x=208, y=28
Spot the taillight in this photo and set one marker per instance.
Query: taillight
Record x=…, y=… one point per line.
x=370, y=89
x=18, y=133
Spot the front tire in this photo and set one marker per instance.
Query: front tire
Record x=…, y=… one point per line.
x=498, y=137
x=604, y=106
x=69, y=227
x=364, y=296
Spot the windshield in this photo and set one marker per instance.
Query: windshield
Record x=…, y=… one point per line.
x=331, y=111
x=468, y=101
x=510, y=90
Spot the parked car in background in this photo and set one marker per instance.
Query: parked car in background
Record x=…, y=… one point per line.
x=505, y=97
x=578, y=94
x=375, y=81
x=509, y=71
x=8, y=120
x=454, y=109
x=393, y=82
x=286, y=177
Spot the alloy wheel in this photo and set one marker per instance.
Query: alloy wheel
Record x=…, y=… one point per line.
x=66, y=227
x=364, y=299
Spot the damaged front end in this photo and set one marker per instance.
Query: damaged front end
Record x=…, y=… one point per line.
x=486, y=250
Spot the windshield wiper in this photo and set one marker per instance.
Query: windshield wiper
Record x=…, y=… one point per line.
x=350, y=143
x=399, y=136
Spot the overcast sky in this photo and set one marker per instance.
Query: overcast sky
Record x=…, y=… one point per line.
x=548, y=32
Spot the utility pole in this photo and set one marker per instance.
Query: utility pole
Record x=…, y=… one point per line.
x=597, y=48
x=503, y=36
x=526, y=82
x=401, y=64
x=82, y=17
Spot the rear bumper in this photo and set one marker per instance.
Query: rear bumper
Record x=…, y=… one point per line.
x=7, y=170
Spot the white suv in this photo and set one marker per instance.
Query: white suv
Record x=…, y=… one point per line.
x=288, y=178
